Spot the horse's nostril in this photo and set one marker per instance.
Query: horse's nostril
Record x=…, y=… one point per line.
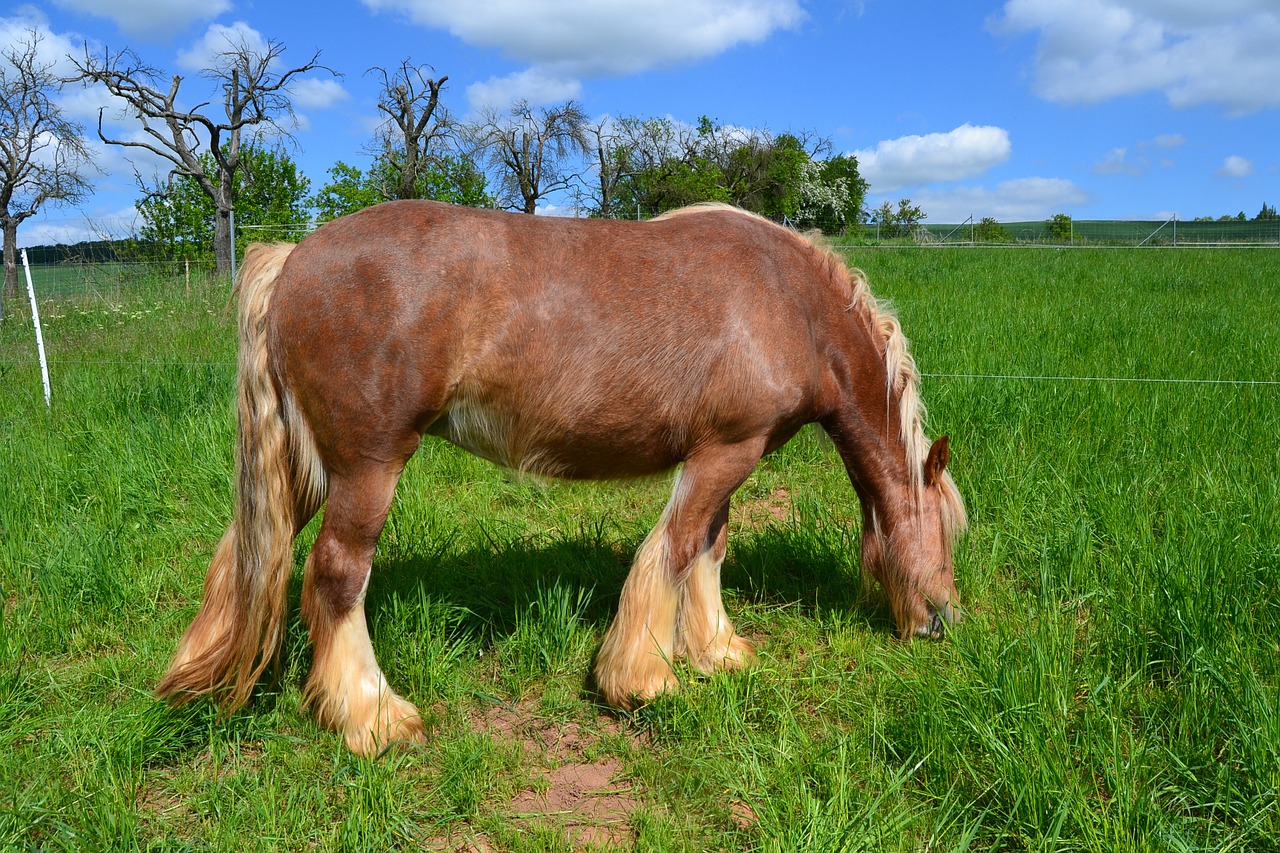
x=936, y=625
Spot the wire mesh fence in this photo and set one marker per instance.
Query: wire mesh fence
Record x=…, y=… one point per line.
x=103, y=267
x=1064, y=231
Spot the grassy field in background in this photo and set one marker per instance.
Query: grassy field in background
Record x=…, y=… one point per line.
x=1115, y=687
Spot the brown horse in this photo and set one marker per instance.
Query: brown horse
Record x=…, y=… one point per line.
x=583, y=349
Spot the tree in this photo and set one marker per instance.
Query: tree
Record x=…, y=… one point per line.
x=254, y=96
x=899, y=222
x=348, y=190
x=611, y=161
x=531, y=151
x=1060, y=229
x=1267, y=214
x=42, y=153
x=988, y=230
x=765, y=175
x=452, y=178
x=411, y=101
x=268, y=193
x=657, y=165
x=841, y=173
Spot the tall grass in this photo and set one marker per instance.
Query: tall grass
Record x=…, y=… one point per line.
x=1114, y=686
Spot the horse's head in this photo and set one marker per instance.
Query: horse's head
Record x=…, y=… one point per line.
x=908, y=549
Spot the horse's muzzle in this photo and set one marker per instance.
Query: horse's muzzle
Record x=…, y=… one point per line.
x=939, y=619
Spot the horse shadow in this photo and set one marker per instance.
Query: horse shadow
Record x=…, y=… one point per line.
x=491, y=583
x=495, y=580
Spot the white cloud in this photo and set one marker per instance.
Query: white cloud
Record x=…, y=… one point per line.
x=151, y=19
x=54, y=232
x=53, y=48
x=1193, y=52
x=535, y=85
x=1135, y=161
x=310, y=94
x=936, y=157
x=1235, y=166
x=565, y=40
x=220, y=39
x=1114, y=163
x=1019, y=200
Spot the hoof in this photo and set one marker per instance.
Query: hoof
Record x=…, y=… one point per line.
x=629, y=691
x=737, y=653
x=396, y=721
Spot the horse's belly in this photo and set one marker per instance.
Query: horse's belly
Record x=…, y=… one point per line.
x=581, y=450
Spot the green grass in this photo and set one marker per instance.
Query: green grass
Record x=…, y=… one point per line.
x=1115, y=686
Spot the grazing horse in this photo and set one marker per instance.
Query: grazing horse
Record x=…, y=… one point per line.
x=583, y=349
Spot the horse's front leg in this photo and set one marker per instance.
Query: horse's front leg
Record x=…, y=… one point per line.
x=705, y=636
x=658, y=619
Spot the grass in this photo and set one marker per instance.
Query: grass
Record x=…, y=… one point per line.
x=1115, y=686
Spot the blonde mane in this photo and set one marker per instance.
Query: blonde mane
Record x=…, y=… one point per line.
x=902, y=378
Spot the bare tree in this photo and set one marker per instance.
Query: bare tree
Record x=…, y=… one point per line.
x=411, y=100
x=612, y=163
x=531, y=150
x=254, y=97
x=42, y=154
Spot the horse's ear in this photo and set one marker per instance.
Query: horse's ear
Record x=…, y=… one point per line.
x=936, y=462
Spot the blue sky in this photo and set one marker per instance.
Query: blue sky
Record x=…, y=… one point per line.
x=1016, y=109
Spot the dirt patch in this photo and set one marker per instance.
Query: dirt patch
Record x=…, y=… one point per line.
x=761, y=512
x=577, y=787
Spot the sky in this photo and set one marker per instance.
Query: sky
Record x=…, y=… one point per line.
x=1011, y=109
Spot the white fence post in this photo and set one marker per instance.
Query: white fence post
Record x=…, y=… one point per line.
x=35, y=321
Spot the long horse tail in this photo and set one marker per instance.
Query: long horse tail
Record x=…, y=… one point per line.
x=280, y=483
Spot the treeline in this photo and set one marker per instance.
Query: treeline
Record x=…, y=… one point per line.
x=625, y=168
x=87, y=252
x=1266, y=214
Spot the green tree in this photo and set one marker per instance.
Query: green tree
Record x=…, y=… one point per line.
x=900, y=221
x=456, y=179
x=452, y=178
x=1059, y=228
x=1268, y=213
x=268, y=195
x=988, y=230
x=655, y=165
x=767, y=176
x=348, y=190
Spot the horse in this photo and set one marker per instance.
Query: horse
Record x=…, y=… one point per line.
x=700, y=340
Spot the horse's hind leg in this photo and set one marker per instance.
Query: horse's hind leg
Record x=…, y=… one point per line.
x=347, y=688
x=634, y=662
x=704, y=633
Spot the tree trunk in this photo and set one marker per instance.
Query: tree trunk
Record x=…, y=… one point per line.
x=222, y=247
x=10, y=263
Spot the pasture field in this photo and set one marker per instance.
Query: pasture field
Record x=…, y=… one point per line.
x=1115, y=686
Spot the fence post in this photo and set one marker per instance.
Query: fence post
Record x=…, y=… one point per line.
x=35, y=321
